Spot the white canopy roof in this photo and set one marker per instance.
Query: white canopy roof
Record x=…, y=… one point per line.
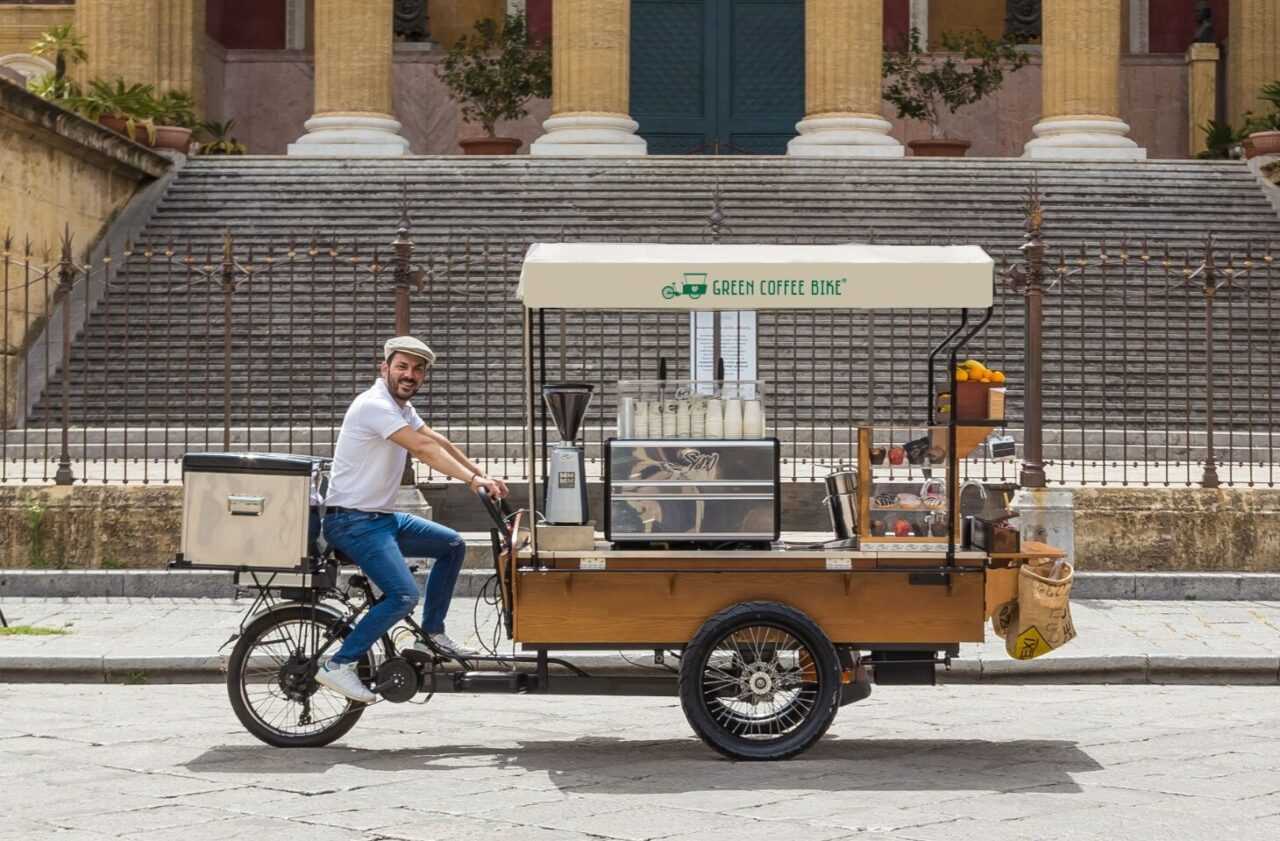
x=660, y=276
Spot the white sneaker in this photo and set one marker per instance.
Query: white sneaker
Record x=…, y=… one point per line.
x=342, y=678
x=442, y=643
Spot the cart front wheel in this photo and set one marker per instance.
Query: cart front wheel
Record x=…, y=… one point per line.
x=760, y=680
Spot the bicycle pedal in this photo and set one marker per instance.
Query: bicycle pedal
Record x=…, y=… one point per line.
x=422, y=659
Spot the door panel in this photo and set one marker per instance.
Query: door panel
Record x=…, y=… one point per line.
x=763, y=74
x=671, y=83
x=717, y=76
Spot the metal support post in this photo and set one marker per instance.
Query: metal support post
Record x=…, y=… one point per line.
x=403, y=246
x=66, y=282
x=1209, y=479
x=1032, y=282
x=228, y=287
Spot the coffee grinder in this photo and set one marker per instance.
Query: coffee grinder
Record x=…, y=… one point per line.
x=565, y=502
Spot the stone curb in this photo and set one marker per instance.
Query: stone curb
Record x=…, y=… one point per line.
x=153, y=583
x=1224, y=670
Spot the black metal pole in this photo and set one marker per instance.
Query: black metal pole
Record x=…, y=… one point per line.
x=66, y=279
x=403, y=246
x=228, y=287
x=1033, y=298
x=1209, y=479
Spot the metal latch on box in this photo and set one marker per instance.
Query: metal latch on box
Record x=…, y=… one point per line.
x=246, y=506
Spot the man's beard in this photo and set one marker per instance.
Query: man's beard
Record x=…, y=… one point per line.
x=397, y=387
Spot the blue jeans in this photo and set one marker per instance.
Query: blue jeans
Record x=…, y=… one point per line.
x=378, y=543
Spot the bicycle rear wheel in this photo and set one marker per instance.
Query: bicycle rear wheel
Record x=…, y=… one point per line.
x=272, y=685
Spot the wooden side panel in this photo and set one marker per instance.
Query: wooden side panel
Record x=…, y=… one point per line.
x=669, y=607
x=1002, y=586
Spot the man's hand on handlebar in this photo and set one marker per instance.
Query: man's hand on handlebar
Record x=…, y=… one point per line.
x=494, y=488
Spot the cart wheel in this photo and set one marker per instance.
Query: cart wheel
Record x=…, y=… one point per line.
x=760, y=680
x=273, y=691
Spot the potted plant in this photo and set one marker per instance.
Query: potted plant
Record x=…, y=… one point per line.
x=121, y=107
x=1222, y=142
x=920, y=85
x=1263, y=131
x=174, y=114
x=220, y=140
x=66, y=47
x=492, y=74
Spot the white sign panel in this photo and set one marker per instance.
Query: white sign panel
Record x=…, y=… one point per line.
x=737, y=345
x=664, y=276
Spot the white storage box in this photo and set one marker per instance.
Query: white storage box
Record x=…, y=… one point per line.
x=247, y=509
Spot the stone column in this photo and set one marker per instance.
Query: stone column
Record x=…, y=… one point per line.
x=844, y=45
x=353, y=53
x=920, y=20
x=155, y=42
x=1202, y=93
x=1081, y=85
x=590, y=81
x=1253, y=55
x=1139, y=26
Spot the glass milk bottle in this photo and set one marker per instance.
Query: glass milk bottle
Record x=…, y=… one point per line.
x=732, y=412
x=715, y=417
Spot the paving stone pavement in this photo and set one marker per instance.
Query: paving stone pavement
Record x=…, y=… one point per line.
x=1237, y=641
x=986, y=763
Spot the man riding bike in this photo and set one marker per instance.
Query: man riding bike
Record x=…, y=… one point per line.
x=378, y=429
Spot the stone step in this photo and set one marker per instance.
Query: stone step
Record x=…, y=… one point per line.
x=504, y=204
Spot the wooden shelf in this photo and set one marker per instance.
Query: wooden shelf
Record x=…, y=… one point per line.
x=968, y=438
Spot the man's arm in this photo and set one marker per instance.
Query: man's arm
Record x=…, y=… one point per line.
x=435, y=451
x=461, y=458
x=451, y=448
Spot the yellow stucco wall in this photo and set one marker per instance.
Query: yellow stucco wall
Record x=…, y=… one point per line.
x=451, y=19
x=20, y=26
x=984, y=15
x=987, y=16
x=56, y=172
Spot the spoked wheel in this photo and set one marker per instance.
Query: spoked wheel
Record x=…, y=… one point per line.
x=272, y=683
x=760, y=681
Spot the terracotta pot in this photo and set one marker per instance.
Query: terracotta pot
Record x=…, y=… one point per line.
x=490, y=146
x=121, y=126
x=939, y=148
x=1262, y=143
x=174, y=137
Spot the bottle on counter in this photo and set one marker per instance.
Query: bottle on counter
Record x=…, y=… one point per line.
x=715, y=418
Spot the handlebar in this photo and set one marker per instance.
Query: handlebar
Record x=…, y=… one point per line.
x=498, y=512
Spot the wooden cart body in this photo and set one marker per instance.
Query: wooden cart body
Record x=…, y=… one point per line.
x=876, y=598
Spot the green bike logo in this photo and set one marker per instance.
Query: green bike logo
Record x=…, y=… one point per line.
x=693, y=288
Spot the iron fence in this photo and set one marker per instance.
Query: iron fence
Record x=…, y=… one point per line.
x=1154, y=365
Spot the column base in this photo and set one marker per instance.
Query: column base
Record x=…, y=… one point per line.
x=350, y=136
x=862, y=136
x=590, y=136
x=1083, y=139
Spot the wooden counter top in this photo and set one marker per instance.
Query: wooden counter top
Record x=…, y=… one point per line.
x=1031, y=551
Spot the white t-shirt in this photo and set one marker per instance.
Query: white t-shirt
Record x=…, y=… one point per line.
x=367, y=466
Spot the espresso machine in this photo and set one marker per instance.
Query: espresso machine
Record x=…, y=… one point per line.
x=565, y=502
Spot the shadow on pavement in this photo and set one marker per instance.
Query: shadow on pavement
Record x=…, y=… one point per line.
x=681, y=765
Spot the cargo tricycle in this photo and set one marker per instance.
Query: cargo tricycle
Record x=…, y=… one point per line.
x=686, y=561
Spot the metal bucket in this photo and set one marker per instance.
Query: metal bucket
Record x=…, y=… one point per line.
x=842, y=503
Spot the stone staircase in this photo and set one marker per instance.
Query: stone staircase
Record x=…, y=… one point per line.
x=1123, y=347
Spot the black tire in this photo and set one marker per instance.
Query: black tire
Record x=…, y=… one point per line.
x=793, y=669
x=264, y=675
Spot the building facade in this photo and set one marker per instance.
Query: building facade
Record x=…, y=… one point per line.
x=1107, y=78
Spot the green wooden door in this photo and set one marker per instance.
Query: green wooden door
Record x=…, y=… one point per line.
x=717, y=76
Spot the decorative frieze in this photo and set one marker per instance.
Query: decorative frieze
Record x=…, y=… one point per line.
x=411, y=20
x=1022, y=18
